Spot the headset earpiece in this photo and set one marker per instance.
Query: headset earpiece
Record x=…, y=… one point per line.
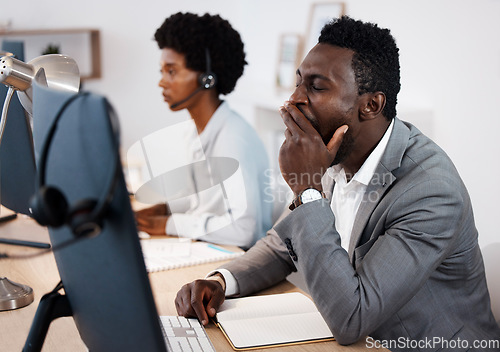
x=49, y=207
x=207, y=80
x=81, y=219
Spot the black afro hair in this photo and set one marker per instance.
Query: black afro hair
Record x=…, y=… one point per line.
x=192, y=35
x=376, y=57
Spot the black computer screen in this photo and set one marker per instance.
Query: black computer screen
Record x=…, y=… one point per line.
x=104, y=277
x=17, y=161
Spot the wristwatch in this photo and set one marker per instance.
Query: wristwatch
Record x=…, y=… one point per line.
x=306, y=196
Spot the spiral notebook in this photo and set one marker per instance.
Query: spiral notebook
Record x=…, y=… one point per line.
x=168, y=253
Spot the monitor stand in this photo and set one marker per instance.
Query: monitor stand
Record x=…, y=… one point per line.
x=52, y=305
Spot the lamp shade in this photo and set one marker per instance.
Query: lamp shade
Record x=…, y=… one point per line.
x=61, y=73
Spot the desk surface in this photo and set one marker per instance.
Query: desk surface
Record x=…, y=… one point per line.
x=41, y=274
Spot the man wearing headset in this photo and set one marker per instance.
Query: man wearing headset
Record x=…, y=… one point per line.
x=202, y=57
x=385, y=238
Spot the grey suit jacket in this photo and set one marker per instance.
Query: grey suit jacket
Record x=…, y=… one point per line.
x=413, y=277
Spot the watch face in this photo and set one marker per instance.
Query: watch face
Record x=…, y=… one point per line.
x=309, y=195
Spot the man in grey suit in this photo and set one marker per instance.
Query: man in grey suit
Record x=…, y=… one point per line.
x=381, y=228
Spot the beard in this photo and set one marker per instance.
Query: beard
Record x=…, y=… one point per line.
x=345, y=149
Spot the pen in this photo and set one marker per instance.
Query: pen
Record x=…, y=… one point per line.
x=24, y=243
x=219, y=248
x=8, y=217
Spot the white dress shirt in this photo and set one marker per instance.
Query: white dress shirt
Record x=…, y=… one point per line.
x=347, y=196
x=236, y=212
x=345, y=200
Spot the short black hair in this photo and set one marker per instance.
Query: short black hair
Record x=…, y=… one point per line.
x=191, y=35
x=375, y=60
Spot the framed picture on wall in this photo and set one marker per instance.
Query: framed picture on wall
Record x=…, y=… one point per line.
x=320, y=14
x=290, y=49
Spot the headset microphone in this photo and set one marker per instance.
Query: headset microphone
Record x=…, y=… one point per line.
x=207, y=80
x=173, y=106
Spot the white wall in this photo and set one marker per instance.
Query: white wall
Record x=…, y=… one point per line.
x=450, y=59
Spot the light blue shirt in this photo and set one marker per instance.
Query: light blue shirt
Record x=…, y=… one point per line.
x=238, y=211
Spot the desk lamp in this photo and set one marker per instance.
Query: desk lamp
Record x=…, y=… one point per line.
x=61, y=73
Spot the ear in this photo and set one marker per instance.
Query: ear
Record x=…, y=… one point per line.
x=372, y=105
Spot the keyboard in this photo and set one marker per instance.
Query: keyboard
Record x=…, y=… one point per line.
x=185, y=334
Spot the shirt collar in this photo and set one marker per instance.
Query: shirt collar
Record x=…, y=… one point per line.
x=365, y=173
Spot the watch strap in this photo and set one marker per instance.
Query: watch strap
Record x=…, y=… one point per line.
x=219, y=278
x=298, y=200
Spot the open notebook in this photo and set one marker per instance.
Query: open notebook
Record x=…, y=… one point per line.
x=271, y=320
x=172, y=253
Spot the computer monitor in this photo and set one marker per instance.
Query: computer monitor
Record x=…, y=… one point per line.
x=17, y=161
x=104, y=277
x=17, y=175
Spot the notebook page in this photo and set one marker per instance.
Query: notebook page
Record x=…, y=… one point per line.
x=162, y=254
x=268, y=305
x=273, y=330
x=168, y=247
